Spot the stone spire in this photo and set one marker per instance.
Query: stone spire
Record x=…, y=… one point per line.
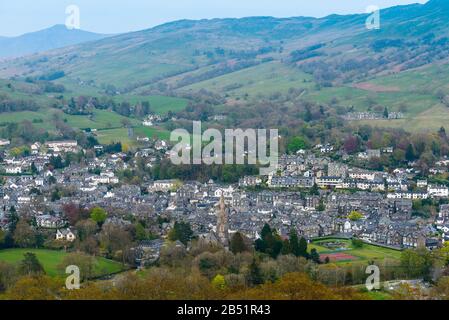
x=222, y=223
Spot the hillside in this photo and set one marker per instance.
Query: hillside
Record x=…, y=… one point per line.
x=334, y=58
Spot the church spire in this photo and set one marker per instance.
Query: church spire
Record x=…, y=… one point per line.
x=222, y=222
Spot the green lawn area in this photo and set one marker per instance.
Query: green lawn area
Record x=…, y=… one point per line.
x=50, y=260
x=367, y=253
x=121, y=134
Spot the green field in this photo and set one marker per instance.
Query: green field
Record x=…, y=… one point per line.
x=430, y=120
x=121, y=135
x=266, y=79
x=50, y=260
x=367, y=253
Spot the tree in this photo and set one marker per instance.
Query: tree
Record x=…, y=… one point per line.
x=181, y=231
x=315, y=256
x=294, y=242
x=2, y=238
x=13, y=219
x=98, y=215
x=286, y=247
x=321, y=206
x=386, y=113
x=255, y=275
x=30, y=265
x=410, y=153
x=86, y=228
x=355, y=216
x=219, y=282
x=314, y=190
x=115, y=240
x=442, y=133
x=8, y=275
x=141, y=233
x=417, y=263
x=84, y=262
x=73, y=213
x=24, y=235
x=308, y=115
x=35, y=288
x=270, y=242
x=351, y=144
x=237, y=244
x=297, y=143
x=34, y=170
x=356, y=243
x=303, y=248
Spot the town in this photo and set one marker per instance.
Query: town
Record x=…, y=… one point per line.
x=309, y=192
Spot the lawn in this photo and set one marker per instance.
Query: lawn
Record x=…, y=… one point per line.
x=367, y=253
x=50, y=260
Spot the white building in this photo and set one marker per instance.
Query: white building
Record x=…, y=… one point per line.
x=62, y=146
x=65, y=235
x=13, y=169
x=163, y=185
x=437, y=191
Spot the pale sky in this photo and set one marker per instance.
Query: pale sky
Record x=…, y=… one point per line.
x=116, y=16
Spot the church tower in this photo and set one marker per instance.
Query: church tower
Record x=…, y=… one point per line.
x=222, y=223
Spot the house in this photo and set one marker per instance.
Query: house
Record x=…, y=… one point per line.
x=335, y=169
x=362, y=174
x=147, y=123
x=65, y=235
x=35, y=147
x=290, y=182
x=250, y=181
x=327, y=148
x=149, y=251
x=50, y=222
x=62, y=146
x=369, y=154
x=387, y=150
x=407, y=195
x=421, y=183
x=4, y=142
x=160, y=145
x=329, y=182
x=17, y=169
x=435, y=191
x=163, y=185
x=151, y=120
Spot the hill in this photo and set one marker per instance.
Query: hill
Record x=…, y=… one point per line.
x=334, y=60
x=55, y=37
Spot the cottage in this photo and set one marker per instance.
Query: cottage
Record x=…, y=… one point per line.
x=65, y=235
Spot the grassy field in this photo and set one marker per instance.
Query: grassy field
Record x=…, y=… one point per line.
x=266, y=79
x=429, y=120
x=367, y=253
x=121, y=134
x=50, y=260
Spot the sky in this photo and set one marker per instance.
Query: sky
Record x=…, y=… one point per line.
x=117, y=16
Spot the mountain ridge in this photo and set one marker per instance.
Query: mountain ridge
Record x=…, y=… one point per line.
x=54, y=37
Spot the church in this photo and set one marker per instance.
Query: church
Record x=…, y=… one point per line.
x=221, y=234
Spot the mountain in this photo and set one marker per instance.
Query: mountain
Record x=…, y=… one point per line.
x=55, y=37
x=333, y=60
x=138, y=59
